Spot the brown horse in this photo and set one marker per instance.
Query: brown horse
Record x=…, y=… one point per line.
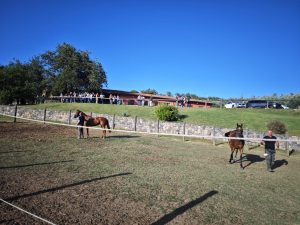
x=91, y=121
x=236, y=144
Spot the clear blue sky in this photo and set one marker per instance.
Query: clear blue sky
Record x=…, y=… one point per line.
x=224, y=48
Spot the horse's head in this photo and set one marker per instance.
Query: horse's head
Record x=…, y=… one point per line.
x=239, y=128
x=77, y=113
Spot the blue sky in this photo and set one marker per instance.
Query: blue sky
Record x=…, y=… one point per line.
x=224, y=48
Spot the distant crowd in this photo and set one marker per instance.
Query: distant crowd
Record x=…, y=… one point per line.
x=86, y=97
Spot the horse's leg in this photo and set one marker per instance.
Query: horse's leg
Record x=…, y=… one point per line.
x=236, y=152
x=101, y=132
x=231, y=156
x=241, y=157
x=104, y=134
x=87, y=132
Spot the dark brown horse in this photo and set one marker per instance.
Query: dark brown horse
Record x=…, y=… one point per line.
x=236, y=144
x=91, y=121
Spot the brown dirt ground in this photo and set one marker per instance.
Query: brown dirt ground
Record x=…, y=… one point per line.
x=62, y=201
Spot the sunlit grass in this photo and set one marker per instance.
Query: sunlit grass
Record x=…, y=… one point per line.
x=253, y=119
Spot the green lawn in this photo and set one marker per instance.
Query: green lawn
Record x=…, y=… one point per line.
x=131, y=179
x=253, y=119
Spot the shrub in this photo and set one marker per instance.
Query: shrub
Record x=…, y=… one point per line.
x=277, y=127
x=167, y=113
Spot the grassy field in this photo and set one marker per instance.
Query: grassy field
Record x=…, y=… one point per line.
x=254, y=119
x=131, y=179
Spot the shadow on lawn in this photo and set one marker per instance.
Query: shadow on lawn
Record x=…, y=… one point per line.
x=279, y=163
x=35, y=164
x=251, y=159
x=170, y=216
x=64, y=186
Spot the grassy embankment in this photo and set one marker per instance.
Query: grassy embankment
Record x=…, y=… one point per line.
x=253, y=119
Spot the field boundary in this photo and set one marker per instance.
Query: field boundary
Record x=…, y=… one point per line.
x=210, y=137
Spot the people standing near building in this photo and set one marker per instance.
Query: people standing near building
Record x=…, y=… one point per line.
x=143, y=100
x=150, y=101
x=97, y=97
x=118, y=100
x=80, y=123
x=101, y=98
x=270, y=149
x=61, y=97
x=111, y=99
x=139, y=100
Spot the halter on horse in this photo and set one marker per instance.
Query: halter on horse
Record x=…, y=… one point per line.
x=91, y=121
x=236, y=144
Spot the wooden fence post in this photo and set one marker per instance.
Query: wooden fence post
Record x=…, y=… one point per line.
x=45, y=111
x=135, y=121
x=16, y=109
x=286, y=144
x=213, y=134
x=246, y=142
x=114, y=119
x=157, y=128
x=183, y=137
x=70, y=116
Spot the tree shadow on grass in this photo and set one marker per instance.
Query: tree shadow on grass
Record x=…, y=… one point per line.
x=182, y=117
x=122, y=136
x=64, y=186
x=115, y=137
x=35, y=164
x=170, y=216
x=13, y=152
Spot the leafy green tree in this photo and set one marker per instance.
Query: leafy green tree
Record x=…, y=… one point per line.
x=150, y=91
x=294, y=101
x=169, y=93
x=73, y=70
x=21, y=82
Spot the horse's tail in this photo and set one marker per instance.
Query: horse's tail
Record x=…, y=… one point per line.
x=108, y=126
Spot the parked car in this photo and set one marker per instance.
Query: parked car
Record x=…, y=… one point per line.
x=279, y=106
x=259, y=104
x=241, y=105
x=230, y=105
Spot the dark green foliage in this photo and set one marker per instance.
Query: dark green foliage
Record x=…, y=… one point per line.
x=294, y=102
x=150, y=91
x=167, y=113
x=21, y=82
x=277, y=127
x=63, y=70
x=73, y=70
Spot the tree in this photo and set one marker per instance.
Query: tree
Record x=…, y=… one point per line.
x=21, y=82
x=169, y=93
x=150, y=91
x=73, y=70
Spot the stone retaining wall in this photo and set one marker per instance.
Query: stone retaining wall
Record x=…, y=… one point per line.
x=145, y=125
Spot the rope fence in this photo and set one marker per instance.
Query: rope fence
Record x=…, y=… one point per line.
x=29, y=213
